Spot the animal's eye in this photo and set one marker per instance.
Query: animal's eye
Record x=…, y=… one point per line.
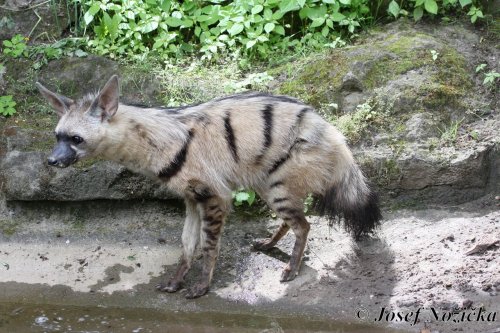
x=76, y=139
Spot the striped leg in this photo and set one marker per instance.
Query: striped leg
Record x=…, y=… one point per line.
x=300, y=227
x=213, y=210
x=268, y=243
x=190, y=237
x=288, y=207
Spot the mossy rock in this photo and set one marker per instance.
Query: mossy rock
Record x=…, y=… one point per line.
x=383, y=58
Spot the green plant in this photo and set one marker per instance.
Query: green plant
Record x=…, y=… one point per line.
x=242, y=196
x=257, y=27
x=7, y=105
x=434, y=54
x=433, y=7
x=475, y=13
x=15, y=47
x=68, y=47
x=480, y=67
x=449, y=134
x=490, y=77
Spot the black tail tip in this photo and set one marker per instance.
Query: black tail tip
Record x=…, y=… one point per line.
x=364, y=220
x=359, y=220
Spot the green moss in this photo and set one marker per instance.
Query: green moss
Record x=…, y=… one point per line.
x=405, y=56
x=313, y=81
x=8, y=227
x=87, y=163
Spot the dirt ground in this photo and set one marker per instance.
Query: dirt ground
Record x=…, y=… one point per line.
x=443, y=264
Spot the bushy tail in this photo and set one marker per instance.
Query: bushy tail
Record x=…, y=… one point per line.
x=351, y=200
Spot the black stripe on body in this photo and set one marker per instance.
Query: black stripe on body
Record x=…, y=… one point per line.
x=279, y=163
x=267, y=117
x=177, y=163
x=276, y=184
x=277, y=200
x=231, y=140
x=300, y=115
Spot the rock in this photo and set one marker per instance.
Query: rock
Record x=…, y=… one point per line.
x=421, y=126
x=351, y=100
x=351, y=83
x=19, y=17
x=75, y=76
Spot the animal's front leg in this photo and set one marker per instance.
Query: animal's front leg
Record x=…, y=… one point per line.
x=213, y=212
x=190, y=237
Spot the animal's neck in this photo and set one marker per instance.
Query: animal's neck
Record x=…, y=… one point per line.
x=143, y=140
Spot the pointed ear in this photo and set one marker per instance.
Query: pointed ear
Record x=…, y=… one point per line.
x=58, y=102
x=108, y=98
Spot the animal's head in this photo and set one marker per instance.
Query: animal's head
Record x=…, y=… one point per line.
x=79, y=131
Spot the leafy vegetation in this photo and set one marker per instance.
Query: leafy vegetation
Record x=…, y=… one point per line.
x=433, y=7
x=489, y=77
x=252, y=29
x=7, y=105
x=242, y=196
x=15, y=47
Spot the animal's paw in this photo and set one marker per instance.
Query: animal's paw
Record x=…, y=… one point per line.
x=197, y=290
x=170, y=287
x=288, y=275
x=263, y=245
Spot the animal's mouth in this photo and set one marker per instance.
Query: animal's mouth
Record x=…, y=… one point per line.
x=65, y=164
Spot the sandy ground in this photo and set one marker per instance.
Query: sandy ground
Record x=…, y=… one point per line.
x=418, y=263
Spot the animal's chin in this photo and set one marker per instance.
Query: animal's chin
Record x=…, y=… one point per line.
x=61, y=165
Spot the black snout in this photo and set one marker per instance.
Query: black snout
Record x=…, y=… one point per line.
x=62, y=155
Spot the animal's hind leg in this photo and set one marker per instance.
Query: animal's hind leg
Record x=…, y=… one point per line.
x=288, y=205
x=190, y=237
x=268, y=243
x=296, y=220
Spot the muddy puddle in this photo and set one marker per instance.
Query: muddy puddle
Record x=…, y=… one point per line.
x=21, y=318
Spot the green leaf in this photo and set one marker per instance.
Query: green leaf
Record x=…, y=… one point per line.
x=480, y=67
x=394, y=8
x=174, y=22
x=236, y=29
x=418, y=12
x=269, y=27
x=251, y=43
x=242, y=196
x=325, y=31
x=345, y=2
x=301, y=3
x=288, y=5
x=89, y=15
x=149, y=26
x=431, y=6
x=279, y=30
x=251, y=197
x=317, y=22
x=337, y=17
x=257, y=9
x=268, y=14
x=464, y=3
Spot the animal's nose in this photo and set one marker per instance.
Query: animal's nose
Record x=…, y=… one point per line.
x=52, y=161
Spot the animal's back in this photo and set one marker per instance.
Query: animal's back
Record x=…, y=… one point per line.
x=251, y=139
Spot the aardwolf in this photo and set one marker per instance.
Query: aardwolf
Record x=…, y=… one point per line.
x=276, y=145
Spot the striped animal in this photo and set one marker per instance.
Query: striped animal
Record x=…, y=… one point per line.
x=276, y=145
